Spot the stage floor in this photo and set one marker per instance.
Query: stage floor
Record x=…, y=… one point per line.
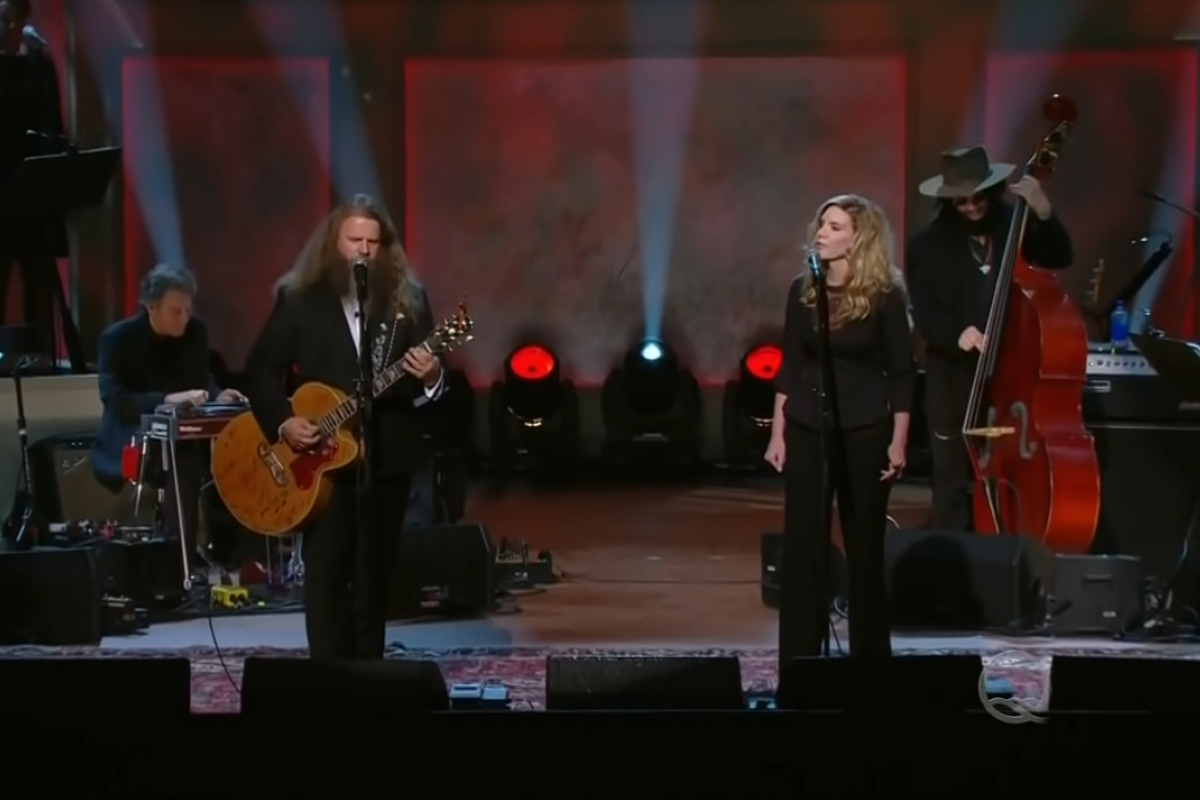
x=643, y=568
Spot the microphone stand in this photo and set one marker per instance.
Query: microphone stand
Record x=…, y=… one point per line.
x=829, y=438
x=363, y=397
x=26, y=496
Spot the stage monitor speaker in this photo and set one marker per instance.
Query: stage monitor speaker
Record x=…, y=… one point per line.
x=105, y=690
x=50, y=596
x=644, y=684
x=443, y=570
x=1108, y=684
x=290, y=687
x=943, y=581
x=937, y=684
x=1149, y=482
x=66, y=487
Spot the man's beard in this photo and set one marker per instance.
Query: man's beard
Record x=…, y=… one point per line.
x=380, y=283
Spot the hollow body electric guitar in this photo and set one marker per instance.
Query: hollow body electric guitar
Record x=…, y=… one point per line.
x=274, y=490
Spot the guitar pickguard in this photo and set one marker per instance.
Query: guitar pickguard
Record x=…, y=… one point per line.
x=307, y=465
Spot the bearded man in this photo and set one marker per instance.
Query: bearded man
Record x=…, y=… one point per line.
x=951, y=268
x=313, y=335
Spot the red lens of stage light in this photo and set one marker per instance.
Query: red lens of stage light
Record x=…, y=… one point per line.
x=763, y=362
x=531, y=363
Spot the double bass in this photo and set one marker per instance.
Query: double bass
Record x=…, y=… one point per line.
x=1035, y=466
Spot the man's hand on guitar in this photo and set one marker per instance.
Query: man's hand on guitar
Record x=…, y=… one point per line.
x=194, y=397
x=300, y=434
x=422, y=364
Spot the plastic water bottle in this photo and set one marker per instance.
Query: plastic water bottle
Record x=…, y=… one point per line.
x=1118, y=326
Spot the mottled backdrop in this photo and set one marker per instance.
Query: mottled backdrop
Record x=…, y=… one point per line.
x=246, y=143
x=522, y=195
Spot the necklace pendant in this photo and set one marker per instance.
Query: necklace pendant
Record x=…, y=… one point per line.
x=985, y=268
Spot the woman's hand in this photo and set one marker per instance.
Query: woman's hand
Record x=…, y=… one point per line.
x=895, y=453
x=776, y=453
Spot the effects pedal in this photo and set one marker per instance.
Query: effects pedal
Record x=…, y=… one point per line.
x=120, y=617
x=232, y=597
x=516, y=570
x=480, y=696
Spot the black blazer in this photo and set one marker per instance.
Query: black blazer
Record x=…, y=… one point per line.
x=137, y=369
x=872, y=363
x=307, y=338
x=948, y=292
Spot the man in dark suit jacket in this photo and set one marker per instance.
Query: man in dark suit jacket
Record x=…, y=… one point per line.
x=159, y=356
x=313, y=335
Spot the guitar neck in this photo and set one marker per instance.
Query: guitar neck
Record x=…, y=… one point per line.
x=345, y=410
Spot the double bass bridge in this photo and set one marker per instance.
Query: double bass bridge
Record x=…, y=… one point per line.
x=990, y=431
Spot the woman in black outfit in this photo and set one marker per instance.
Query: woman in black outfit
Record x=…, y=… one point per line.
x=871, y=349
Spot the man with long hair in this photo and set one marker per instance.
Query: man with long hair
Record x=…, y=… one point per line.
x=951, y=266
x=313, y=335
x=871, y=351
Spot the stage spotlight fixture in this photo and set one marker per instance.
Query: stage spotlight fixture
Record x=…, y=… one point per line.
x=651, y=405
x=533, y=413
x=749, y=406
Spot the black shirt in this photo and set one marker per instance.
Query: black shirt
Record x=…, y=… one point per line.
x=872, y=362
x=950, y=292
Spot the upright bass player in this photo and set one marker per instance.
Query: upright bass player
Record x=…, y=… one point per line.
x=951, y=267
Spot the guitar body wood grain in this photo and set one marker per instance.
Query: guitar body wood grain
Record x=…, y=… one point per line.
x=272, y=489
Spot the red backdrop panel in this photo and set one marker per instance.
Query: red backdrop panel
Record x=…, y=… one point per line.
x=245, y=144
x=523, y=194
x=1137, y=128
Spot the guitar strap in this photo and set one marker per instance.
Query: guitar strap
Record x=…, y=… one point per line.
x=385, y=340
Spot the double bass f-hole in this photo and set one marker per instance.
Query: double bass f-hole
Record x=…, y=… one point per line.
x=990, y=432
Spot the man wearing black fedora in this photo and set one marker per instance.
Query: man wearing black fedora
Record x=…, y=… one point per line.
x=950, y=267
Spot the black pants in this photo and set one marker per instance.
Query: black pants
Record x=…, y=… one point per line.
x=804, y=601
x=346, y=570
x=947, y=392
x=38, y=274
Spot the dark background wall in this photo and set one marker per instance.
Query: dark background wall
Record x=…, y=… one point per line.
x=504, y=137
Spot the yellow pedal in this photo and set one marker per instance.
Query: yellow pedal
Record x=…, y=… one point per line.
x=230, y=596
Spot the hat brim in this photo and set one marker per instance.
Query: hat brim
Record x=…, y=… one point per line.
x=936, y=186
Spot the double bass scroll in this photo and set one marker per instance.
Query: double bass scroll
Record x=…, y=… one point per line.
x=1035, y=463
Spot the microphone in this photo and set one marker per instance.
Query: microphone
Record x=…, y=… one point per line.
x=31, y=35
x=360, y=267
x=814, y=264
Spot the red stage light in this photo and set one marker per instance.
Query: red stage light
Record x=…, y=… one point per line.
x=763, y=362
x=531, y=363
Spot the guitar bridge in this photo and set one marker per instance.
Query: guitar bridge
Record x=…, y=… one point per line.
x=992, y=432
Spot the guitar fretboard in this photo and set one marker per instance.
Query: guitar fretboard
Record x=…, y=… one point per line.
x=345, y=410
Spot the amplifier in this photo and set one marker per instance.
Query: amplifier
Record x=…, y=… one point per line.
x=65, y=485
x=1123, y=387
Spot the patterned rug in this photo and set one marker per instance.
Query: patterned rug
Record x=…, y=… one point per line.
x=216, y=677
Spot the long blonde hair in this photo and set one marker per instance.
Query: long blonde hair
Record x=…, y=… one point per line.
x=872, y=273
x=394, y=287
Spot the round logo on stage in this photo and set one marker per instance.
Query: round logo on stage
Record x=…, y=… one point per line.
x=1011, y=688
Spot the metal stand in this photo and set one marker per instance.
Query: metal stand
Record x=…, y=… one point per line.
x=829, y=438
x=169, y=456
x=366, y=417
x=29, y=493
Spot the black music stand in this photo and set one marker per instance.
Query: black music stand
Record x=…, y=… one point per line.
x=44, y=186
x=1178, y=362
